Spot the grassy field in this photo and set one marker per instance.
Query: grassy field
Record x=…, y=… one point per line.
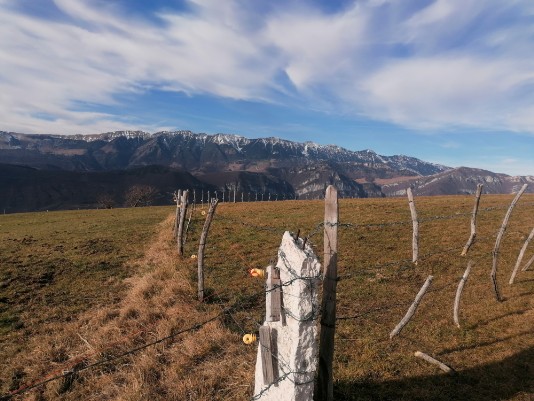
x=90, y=283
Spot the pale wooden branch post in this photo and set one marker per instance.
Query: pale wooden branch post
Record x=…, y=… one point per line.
x=412, y=309
x=520, y=257
x=433, y=361
x=178, y=199
x=461, y=284
x=180, y=232
x=415, y=224
x=202, y=245
x=473, y=235
x=528, y=264
x=495, y=253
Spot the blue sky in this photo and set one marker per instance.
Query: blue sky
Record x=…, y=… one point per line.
x=446, y=81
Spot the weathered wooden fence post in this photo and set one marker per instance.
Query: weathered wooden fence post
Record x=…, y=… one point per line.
x=434, y=361
x=461, y=284
x=528, y=264
x=412, y=308
x=493, y=274
x=520, y=257
x=415, y=224
x=180, y=233
x=473, y=221
x=178, y=198
x=202, y=245
x=325, y=381
x=287, y=351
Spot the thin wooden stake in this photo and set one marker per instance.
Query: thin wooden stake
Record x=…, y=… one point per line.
x=188, y=223
x=325, y=381
x=267, y=349
x=180, y=233
x=473, y=235
x=528, y=264
x=434, y=361
x=495, y=253
x=412, y=309
x=461, y=284
x=520, y=257
x=274, y=295
x=178, y=195
x=202, y=245
x=415, y=223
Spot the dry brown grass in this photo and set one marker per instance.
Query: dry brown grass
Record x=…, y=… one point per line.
x=493, y=352
x=158, y=301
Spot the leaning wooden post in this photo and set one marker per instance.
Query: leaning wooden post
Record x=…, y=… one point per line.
x=528, y=264
x=461, y=284
x=434, y=361
x=325, y=381
x=415, y=224
x=412, y=309
x=520, y=257
x=493, y=274
x=180, y=232
x=178, y=198
x=186, y=230
x=201, y=246
x=471, y=239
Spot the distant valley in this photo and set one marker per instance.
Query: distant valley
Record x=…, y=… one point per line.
x=47, y=172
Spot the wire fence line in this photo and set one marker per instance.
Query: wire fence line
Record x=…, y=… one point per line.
x=318, y=226
x=195, y=327
x=238, y=306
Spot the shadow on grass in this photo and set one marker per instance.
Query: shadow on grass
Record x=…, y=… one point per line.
x=509, y=378
x=497, y=318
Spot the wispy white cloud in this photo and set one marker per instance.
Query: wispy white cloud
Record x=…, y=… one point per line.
x=446, y=64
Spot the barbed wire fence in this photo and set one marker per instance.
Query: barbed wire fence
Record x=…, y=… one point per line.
x=81, y=363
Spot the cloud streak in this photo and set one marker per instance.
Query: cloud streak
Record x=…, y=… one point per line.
x=440, y=66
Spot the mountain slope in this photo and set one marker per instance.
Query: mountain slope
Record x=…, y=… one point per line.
x=54, y=171
x=190, y=151
x=29, y=189
x=460, y=181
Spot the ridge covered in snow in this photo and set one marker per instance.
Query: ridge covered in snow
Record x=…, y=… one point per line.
x=248, y=148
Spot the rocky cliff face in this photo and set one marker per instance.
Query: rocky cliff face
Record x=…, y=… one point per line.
x=192, y=152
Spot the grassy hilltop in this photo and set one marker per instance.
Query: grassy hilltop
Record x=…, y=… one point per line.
x=81, y=287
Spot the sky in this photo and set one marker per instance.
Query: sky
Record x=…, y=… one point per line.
x=447, y=81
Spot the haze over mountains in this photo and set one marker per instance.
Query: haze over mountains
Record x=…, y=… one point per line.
x=52, y=172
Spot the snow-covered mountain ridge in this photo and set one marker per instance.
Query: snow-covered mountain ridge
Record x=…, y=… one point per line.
x=239, y=146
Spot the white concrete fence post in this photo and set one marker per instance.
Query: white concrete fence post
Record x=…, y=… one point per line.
x=287, y=352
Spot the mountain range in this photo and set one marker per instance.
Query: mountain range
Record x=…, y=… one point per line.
x=40, y=172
